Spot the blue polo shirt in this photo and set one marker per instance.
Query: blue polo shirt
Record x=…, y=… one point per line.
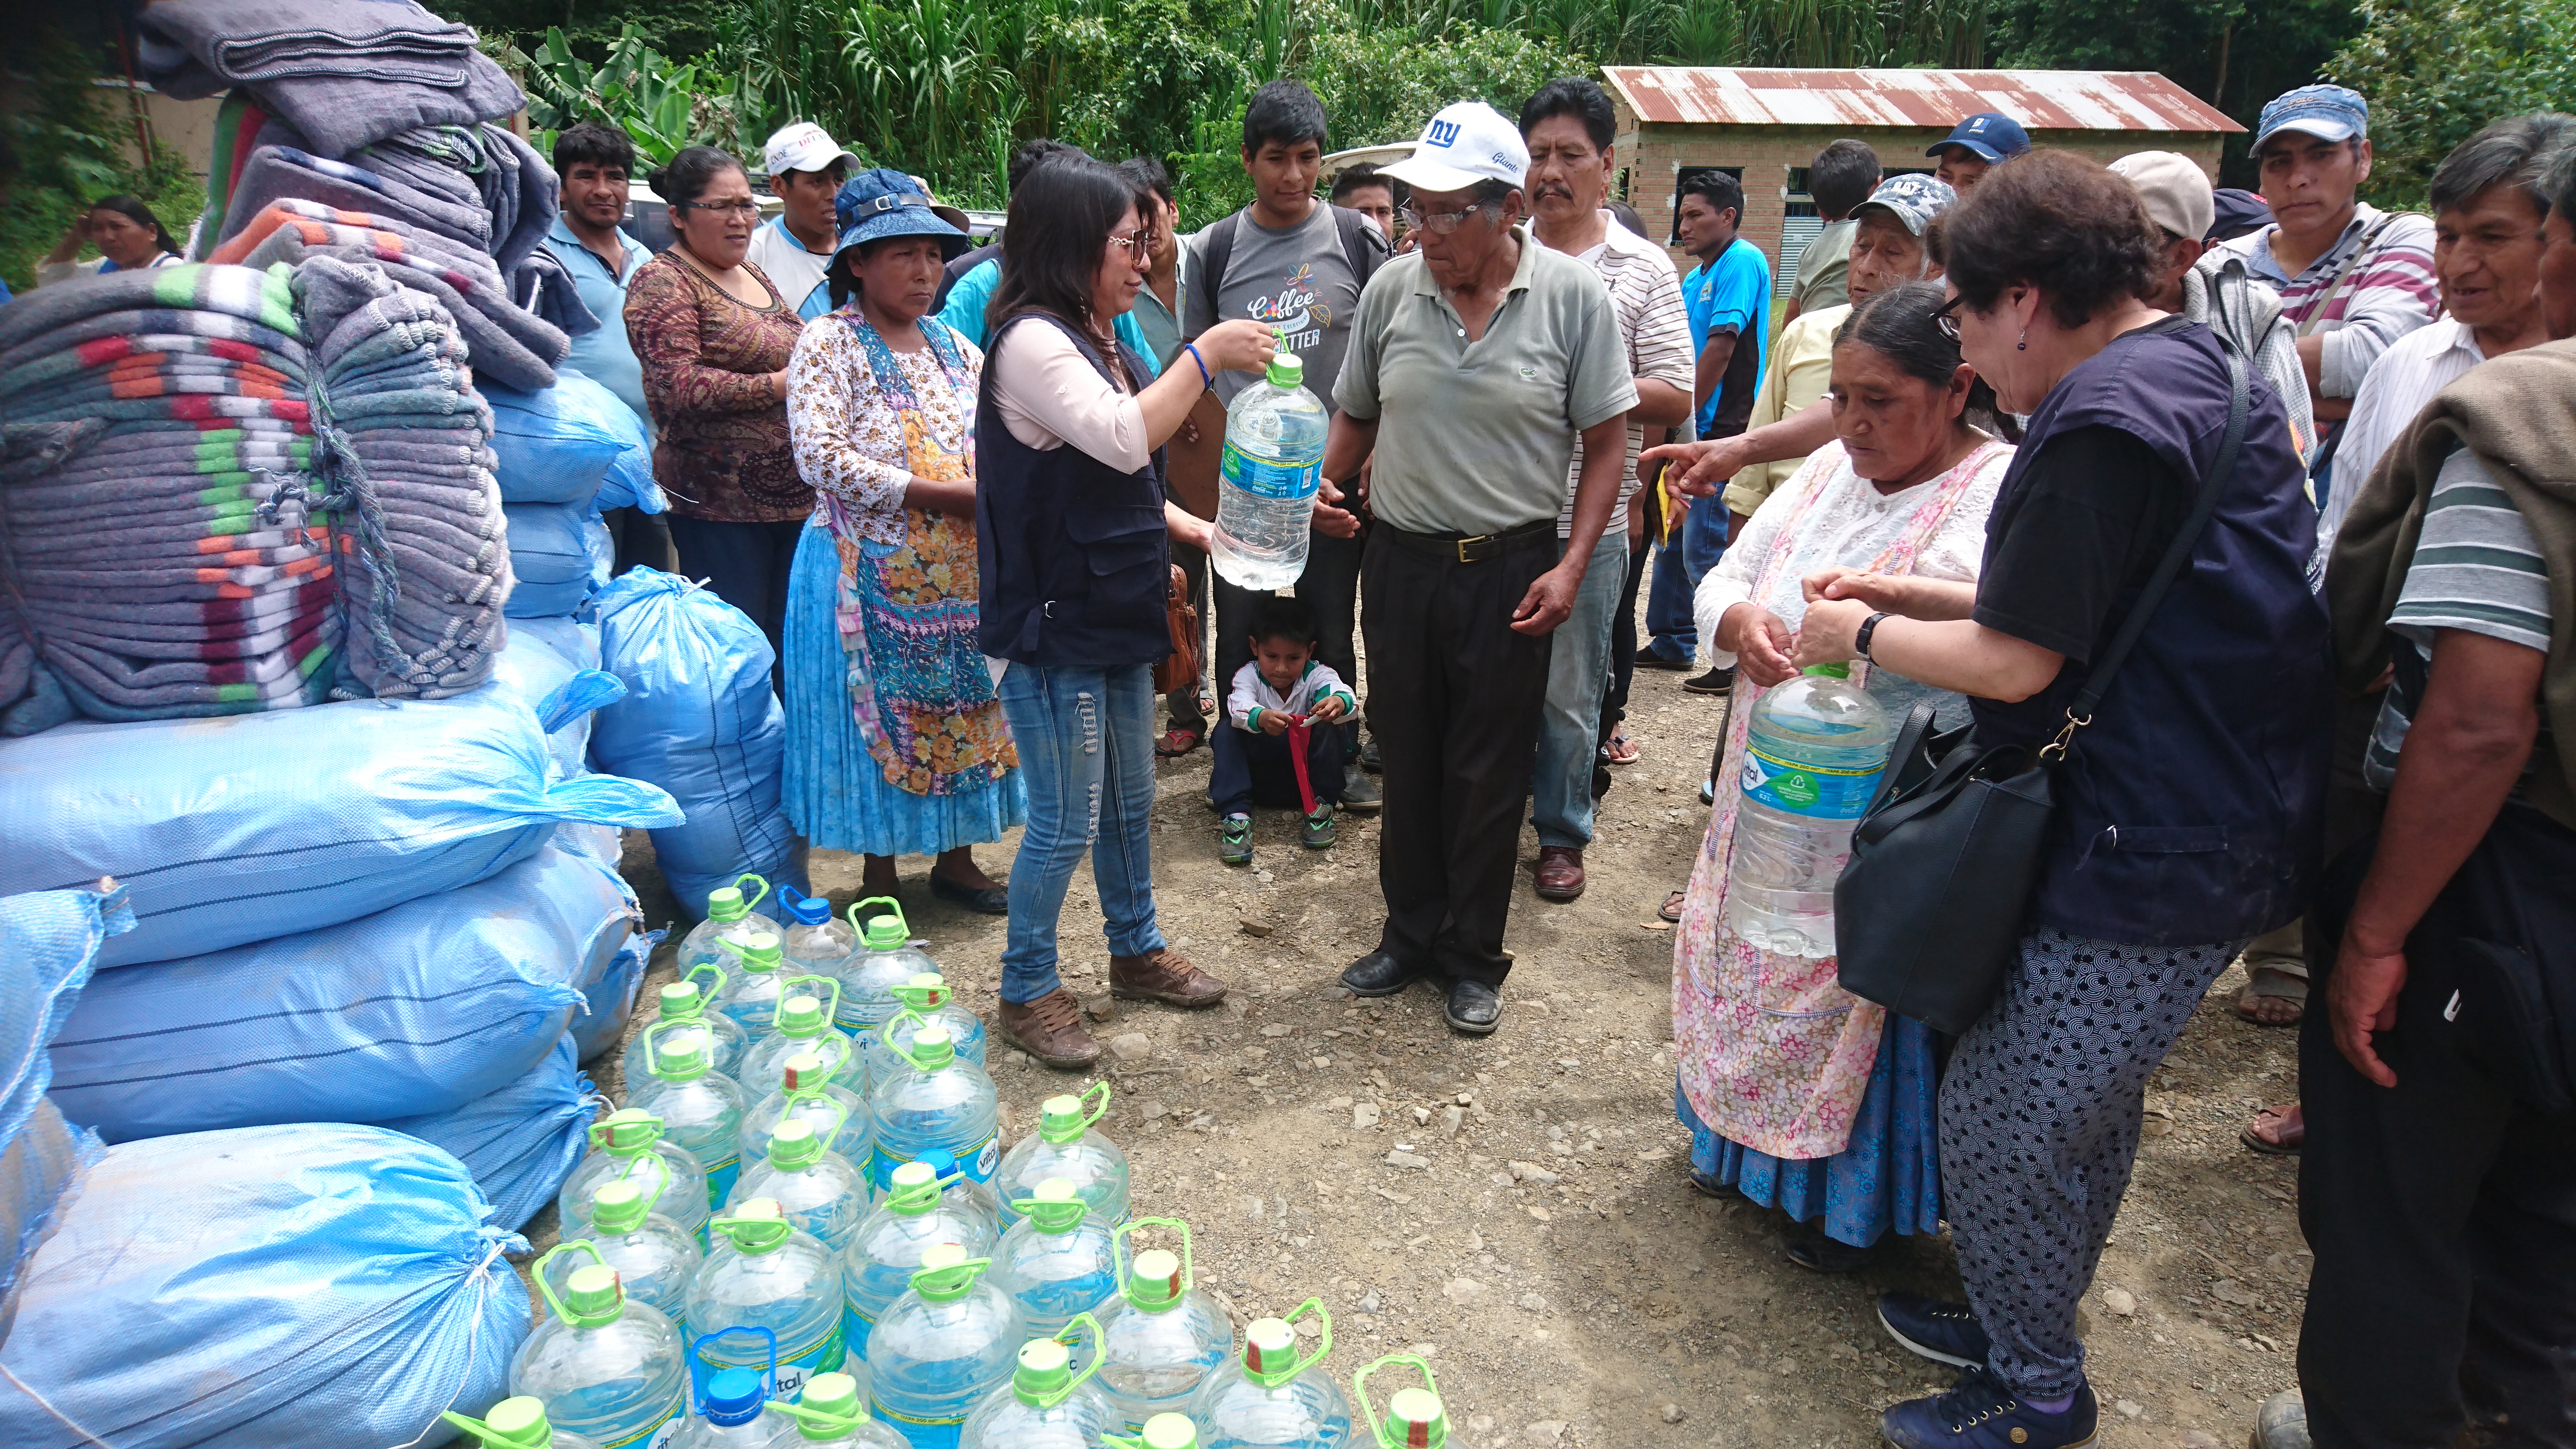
x=967, y=300
x=1732, y=293
x=604, y=356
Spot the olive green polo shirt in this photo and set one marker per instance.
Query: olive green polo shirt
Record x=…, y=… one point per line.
x=1475, y=437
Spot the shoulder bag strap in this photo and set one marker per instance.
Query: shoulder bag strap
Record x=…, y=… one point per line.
x=1216, y=248
x=2106, y=665
x=1362, y=247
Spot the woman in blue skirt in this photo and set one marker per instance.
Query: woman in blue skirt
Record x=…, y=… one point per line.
x=895, y=739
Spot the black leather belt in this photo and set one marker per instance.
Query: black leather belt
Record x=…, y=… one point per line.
x=1476, y=547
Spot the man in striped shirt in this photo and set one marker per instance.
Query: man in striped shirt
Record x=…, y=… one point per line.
x=1568, y=126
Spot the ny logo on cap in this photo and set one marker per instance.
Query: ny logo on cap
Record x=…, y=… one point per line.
x=1444, y=133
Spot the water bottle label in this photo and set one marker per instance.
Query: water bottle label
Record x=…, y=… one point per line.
x=856, y=1325
x=939, y=1433
x=821, y=1357
x=977, y=1162
x=1271, y=480
x=987, y=1160
x=653, y=1435
x=1815, y=791
x=720, y=1178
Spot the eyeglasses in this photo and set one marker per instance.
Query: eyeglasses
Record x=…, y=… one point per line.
x=738, y=208
x=1439, y=223
x=1139, y=244
x=1947, y=320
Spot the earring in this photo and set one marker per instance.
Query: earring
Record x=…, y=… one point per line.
x=2024, y=344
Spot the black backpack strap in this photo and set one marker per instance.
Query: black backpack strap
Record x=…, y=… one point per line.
x=1216, y=248
x=1361, y=245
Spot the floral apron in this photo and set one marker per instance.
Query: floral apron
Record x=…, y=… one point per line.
x=919, y=687
x=1772, y=1052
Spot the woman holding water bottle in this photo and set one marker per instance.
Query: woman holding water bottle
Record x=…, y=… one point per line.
x=1073, y=559
x=1798, y=1095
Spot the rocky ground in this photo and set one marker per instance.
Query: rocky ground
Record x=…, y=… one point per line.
x=1516, y=1209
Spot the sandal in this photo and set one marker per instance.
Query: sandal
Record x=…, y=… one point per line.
x=1177, y=742
x=1672, y=910
x=1621, y=750
x=2271, y=984
x=2288, y=1131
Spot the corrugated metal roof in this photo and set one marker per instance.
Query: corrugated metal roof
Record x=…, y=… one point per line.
x=2042, y=100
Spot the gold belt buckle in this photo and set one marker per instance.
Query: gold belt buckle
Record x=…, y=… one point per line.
x=1465, y=542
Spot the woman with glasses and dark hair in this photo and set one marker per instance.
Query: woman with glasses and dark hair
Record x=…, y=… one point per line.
x=2189, y=800
x=1072, y=528
x=713, y=338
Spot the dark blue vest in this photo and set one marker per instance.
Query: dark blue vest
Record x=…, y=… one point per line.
x=1071, y=553
x=2191, y=810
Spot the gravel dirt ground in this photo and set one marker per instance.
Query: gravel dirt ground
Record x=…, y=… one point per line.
x=1517, y=1209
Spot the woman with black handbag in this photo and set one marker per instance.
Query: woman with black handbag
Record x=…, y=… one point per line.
x=2146, y=667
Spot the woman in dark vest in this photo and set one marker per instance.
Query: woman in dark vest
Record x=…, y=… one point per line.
x=2189, y=807
x=1072, y=555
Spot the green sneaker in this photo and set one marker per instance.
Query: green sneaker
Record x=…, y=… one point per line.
x=1234, y=840
x=1319, y=828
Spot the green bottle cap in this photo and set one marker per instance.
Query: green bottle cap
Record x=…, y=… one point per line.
x=1045, y=1368
x=931, y=1048
x=805, y=1072
x=1171, y=1431
x=757, y=1226
x=1154, y=1280
x=947, y=1274
x=593, y=1296
x=800, y=1016
x=681, y=1056
x=681, y=1000
x=834, y=1394
x=518, y=1423
x=1056, y=1209
x=725, y=905
x=1829, y=671
x=627, y=1132
x=887, y=933
x=758, y=951
x=925, y=992
x=1414, y=1418
x=1287, y=370
x=1060, y=1119
x=618, y=1206
x=915, y=1190
x=794, y=1145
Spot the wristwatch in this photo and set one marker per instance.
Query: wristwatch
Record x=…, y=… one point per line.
x=1860, y=640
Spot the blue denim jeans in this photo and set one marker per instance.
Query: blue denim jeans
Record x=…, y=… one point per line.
x=1086, y=741
x=1679, y=566
x=1569, y=727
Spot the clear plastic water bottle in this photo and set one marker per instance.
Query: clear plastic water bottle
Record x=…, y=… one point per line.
x=886, y=958
x=734, y=1412
x=730, y=917
x=1048, y=1404
x=945, y=1101
x=1163, y=1431
x=833, y=1415
x=630, y=1143
x=1057, y=1262
x=804, y=1027
x=686, y=1000
x=1817, y=748
x=961, y=1192
x=890, y=1243
x=941, y=1347
x=607, y=1369
x=1067, y=1145
x=750, y=997
x=925, y=1000
x=655, y=1257
x=1163, y=1338
x=766, y=1274
x=518, y=1423
x=821, y=1191
x=807, y=1092
x=1269, y=1397
x=700, y=1107
x=1266, y=484
x=816, y=943
x=1413, y=1416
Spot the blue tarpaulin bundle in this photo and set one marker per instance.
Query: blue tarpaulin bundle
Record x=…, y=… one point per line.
x=47, y=941
x=520, y=1141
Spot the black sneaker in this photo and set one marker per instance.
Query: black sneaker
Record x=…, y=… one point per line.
x=1234, y=840
x=1319, y=828
x=1369, y=760
x=1360, y=794
x=1979, y=1412
x=1942, y=1332
x=1716, y=681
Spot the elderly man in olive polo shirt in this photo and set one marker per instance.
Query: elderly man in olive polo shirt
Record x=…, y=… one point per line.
x=1475, y=364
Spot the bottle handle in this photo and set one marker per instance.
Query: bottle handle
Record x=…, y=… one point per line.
x=859, y=923
x=546, y=1287
x=698, y=1362
x=885, y=1034
x=721, y=979
x=752, y=901
x=1359, y=1389
x=1323, y=1347
x=840, y=1112
x=1122, y=1262
x=1064, y=1336
x=1101, y=1087
x=832, y=1012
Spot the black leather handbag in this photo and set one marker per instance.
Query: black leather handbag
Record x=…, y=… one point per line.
x=1937, y=891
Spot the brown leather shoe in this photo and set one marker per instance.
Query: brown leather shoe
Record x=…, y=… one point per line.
x=1050, y=1029
x=1560, y=872
x=1165, y=976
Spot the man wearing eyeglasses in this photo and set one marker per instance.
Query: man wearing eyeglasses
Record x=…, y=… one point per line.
x=1476, y=364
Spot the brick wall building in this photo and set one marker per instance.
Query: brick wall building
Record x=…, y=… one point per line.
x=1766, y=125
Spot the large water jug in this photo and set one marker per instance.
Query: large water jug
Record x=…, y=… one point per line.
x=1270, y=1397
x=734, y=1411
x=730, y=917
x=833, y=1414
x=925, y=1000
x=1163, y=1338
x=1266, y=483
x=1067, y=1145
x=962, y=1192
x=1413, y=1416
x=655, y=1257
x=941, y=1347
x=1057, y=1262
x=1817, y=748
x=1048, y=1404
x=518, y=1423
x=891, y=1242
x=765, y=1275
x=750, y=997
x=686, y=1000
x=607, y=1369
x=944, y=1101
x=630, y=1143
x=815, y=942
x=1163, y=1431
x=805, y=1091
x=804, y=1027
x=700, y=1107
x=821, y=1191
x=886, y=958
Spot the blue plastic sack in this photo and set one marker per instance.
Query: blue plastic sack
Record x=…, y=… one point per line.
x=242, y=829
x=611, y=995
x=628, y=483
x=522, y=1141
x=417, y=1009
x=553, y=664
x=326, y=1287
x=554, y=445
x=47, y=941
x=560, y=554
x=700, y=720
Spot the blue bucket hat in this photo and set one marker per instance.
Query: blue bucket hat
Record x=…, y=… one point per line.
x=2329, y=113
x=881, y=203
x=1991, y=136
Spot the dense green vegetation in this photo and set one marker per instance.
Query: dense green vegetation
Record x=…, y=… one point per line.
x=62, y=146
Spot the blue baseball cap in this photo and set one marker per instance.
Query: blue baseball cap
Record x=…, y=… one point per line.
x=2329, y=113
x=1990, y=135
x=880, y=203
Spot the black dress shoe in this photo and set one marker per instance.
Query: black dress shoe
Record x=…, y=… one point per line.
x=1474, y=1008
x=983, y=901
x=1378, y=973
